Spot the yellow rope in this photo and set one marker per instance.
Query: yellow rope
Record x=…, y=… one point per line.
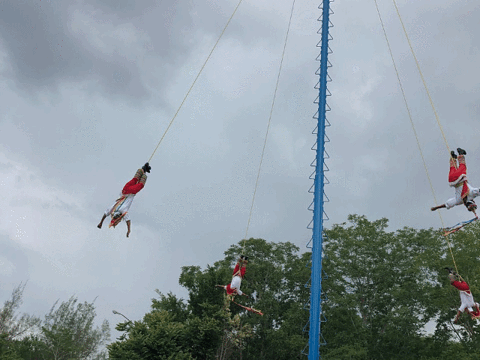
x=268, y=126
x=413, y=126
x=423, y=79
x=194, y=81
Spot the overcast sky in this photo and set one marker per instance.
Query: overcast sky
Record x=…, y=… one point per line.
x=88, y=87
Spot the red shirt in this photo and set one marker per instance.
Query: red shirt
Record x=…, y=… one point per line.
x=236, y=272
x=461, y=285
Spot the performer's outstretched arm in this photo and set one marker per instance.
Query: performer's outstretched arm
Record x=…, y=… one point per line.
x=438, y=207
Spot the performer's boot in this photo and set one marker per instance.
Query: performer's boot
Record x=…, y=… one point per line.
x=452, y=153
x=146, y=167
x=461, y=151
x=139, y=174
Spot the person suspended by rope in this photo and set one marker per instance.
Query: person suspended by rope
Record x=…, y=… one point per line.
x=233, y=288
x=457, y=178
x=238, y=273
x=468, y=304
x=119, y=210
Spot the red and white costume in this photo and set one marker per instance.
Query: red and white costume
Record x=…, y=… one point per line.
x=234, y=287
x=123, y=203
x=457, y=178
x=467, y=298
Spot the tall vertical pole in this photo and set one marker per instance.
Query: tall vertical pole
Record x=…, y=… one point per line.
x=316, y=277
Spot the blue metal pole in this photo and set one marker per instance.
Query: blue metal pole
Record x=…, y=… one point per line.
x=316, y=277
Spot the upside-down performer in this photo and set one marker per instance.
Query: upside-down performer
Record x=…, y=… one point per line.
x=457, y=178
x=238, y=273
x=233, y=288
x=468, y=304
x=119, y=210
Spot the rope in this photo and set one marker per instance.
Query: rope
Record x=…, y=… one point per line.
x=413, y=126
x=194, y=81
x=423, y=79
x=268, y=126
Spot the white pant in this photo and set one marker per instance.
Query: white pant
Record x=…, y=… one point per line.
x=235, y=284
x=457, y=200
x=123, y=208
x=467, y=302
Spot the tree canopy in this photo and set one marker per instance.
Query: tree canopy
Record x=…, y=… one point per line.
x=386, y=297
x=66, y=333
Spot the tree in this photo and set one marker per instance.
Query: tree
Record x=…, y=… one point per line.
x=208, y=326
x=381, y=291
x=28, y=348
x=463, y=245
x=169, y=331
x=275, y=278
x=7, y=350
x=68, y=332
x=384, y=287
x=11, y=325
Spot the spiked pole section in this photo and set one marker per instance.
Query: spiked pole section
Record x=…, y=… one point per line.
x=318, y=200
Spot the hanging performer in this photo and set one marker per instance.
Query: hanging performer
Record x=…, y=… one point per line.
x=466, y=297
x=457, y=178
x=238, y=273
x=118, y=211
x=233, y=288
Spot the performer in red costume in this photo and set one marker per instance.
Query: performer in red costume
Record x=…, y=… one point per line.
x=233, y=288
x=468, y=304
x=457, y=178
x=238, y=273
x=118, y=211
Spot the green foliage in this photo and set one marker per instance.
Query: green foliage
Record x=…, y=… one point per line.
x=7, y=350
x=11, y=325
x=208, y=326
x=275, y=279
x=68, y=332
x=235, y=333
x=382, y=291
x=169, y=331
x=387, y=286
x=276, y=276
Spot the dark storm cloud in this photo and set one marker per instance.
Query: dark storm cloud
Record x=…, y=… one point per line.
x=168, y=23
x=43, y=51
x=49, y=43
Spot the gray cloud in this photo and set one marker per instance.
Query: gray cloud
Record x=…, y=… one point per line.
x=79, y=118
